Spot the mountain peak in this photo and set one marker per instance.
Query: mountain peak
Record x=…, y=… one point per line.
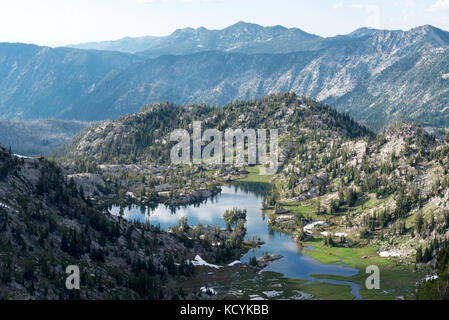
x=362, y=32
x=244, y=25
x=432, y=34
x=183, y=30
x=425, y=29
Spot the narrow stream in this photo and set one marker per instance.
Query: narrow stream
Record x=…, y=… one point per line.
x=294, y=263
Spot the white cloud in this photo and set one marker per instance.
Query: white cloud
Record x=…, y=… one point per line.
x=408, y=9
x=439, y=5
x=372, y=14
x=337, y=5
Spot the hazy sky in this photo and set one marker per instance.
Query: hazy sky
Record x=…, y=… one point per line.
x=60, y=22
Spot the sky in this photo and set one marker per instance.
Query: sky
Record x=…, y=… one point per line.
x=62, y=22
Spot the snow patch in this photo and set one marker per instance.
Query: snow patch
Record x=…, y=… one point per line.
x=271, y=294
x=210, y=290
x=341, y=234
x=389, y=254
x=4, y=205
x=256, y=297
x=22, y=157
x=338, y=234
x=200, y=262
x=234, y=263
x=308, y=228
x=430, y=278
x=8, y=207
x=313, y=224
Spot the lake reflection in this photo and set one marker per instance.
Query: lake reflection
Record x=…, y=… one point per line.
x=247, y=196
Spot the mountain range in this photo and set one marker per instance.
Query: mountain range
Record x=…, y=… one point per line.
x=378, y=76
x=241, y=37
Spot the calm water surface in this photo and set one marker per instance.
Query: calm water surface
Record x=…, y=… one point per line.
x=294, y=263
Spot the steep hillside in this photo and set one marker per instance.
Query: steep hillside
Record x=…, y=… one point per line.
x=144, y=136
x=38, y=137
x=41, y=82
x=391, y=192
x=47, y=224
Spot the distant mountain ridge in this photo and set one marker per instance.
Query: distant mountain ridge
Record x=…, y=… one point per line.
x=38, y=137
x=42, y=82
x=240, y=37
x=378, y=76
x=126, y=44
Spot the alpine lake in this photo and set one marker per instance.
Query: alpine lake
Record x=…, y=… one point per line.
x=301, y=273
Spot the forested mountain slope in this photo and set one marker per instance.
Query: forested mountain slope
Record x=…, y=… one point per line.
x=42, y=82
x=145, y=136
x=38, y=137
x=47, y=223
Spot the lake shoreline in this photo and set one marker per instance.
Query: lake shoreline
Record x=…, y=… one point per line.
x=241, y=195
